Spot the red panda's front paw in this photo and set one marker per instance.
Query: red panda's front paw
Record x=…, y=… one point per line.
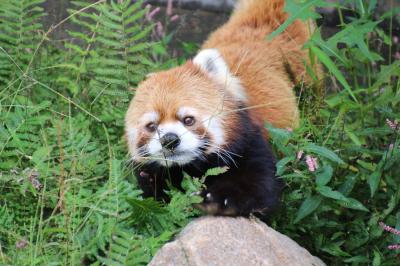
x=214, y=204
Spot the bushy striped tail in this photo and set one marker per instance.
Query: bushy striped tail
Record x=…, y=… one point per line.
x=257, y=13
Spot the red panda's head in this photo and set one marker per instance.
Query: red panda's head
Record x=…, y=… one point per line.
x=185, y=113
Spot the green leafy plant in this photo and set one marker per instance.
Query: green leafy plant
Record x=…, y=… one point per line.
x=339, y=165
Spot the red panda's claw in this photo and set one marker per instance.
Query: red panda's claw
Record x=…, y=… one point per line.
x=197, y=193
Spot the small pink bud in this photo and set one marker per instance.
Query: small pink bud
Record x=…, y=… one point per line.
x=300, y=154
x=394, y=247
x=391, y=146
x=289, y=129
x=21, y=244
x=174, y=18
x=311, y=163
x=389, y=229
x=160, y=29
x=393, y=125
x=169, y=8
x=153, y=13
x=395, y=39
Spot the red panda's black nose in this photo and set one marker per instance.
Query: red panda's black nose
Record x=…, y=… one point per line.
x=170, y=141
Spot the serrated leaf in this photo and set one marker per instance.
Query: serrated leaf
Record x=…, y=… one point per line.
x=216, y=171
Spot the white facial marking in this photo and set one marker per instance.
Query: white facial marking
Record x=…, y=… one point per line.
x=186, y=111
x=214, y=127
x=184, y=153
x=212, y=62
x=131, y=133
x=149, y=117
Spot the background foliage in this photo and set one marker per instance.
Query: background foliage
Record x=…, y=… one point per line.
x=67, y=194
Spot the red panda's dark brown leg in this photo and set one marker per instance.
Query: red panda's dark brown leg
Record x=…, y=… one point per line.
x=251, y=187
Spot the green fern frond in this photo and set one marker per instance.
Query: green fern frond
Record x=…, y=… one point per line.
x=20, y=29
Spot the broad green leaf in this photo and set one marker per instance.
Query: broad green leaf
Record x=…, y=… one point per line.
x=377, y=261
x=335, y=250
x=348, y=185
x=308, y=206
x=281, y=165
x=329, y=193
x=278, y=134
x=354, y=204
x=303, y=10
x=358, y=259
x=373, y=182
x=323, y=152
x=324, y=175
x=352, y=136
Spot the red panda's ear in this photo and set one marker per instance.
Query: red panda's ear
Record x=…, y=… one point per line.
x=213, y=64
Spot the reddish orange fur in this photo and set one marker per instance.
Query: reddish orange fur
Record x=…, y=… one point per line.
x=167, y=91
x=257, y=62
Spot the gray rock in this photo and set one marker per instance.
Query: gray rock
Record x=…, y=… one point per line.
x=220, y=241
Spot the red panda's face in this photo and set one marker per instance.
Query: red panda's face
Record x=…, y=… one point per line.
x=178, y=116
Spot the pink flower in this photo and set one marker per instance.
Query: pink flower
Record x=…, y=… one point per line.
x=395, y=39
x=289, y=129
x=393, y=231
x=311, y=163
x=21, y=244
x=300, y=154
x=393, y=125
x=169, y=8
x=174, y=18
x=389, y=229
x=159, y=29
x=152, y=13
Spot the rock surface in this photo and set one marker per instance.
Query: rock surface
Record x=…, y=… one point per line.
x=221, y=241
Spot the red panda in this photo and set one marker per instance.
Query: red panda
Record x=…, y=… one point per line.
x=210, y=112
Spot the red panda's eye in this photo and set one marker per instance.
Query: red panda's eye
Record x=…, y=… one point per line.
x=188, y=121
x=151, y=127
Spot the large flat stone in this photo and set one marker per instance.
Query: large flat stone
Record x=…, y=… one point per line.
x=221, y=241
